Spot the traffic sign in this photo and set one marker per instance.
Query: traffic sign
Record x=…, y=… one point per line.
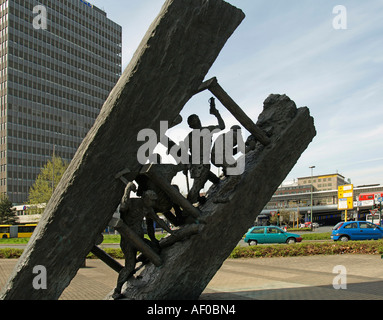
x=380, y=199
x=345, y=197
x=342, y=204
x=345, y=191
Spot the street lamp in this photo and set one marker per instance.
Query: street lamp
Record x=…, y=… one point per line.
x=311, y=203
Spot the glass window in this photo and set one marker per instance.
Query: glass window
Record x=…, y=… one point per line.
x=4, y=229
x=371, y=225
x=366, y=225
x=338, y=226
x=258, y=230
x=351, y=226
x=273, y=230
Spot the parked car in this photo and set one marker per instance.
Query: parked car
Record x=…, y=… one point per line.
x=356, y=230
x=270, y=234
x=307, y=225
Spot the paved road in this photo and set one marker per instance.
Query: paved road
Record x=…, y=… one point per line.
x=290, y=278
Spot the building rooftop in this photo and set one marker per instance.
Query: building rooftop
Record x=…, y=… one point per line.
x=322, y=176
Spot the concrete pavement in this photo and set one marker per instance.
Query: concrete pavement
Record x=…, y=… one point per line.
x=290, y=278
x=298, y=278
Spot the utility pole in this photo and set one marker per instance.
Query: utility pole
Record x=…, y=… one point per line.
x=311, y=202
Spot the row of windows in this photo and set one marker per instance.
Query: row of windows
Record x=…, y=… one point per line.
x=93, y=41
x=77, y=68
x=35, y=130
x=38, y=126
x=29, y=142
x=3, y=35
x=3, y=94
x=61, y=25
x=21, y=175
x=19, y=189
x=55, y=35
x=53, y=101
x=79, y=132
x=77, y=92
x=362, y=225
x=66, y=78
x=72, y=78
x=41, y=144
x=324, y=185
x=4, y=17
x=317, y=180
x=30, y=168
x=44, y=55
x=3, y=5
x=59, y=112
x=72, y=119
x=75, y=9
x=3, y=67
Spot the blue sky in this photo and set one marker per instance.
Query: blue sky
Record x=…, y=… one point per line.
x=291, y=47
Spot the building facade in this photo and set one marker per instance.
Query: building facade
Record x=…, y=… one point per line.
x=59, y=60
x=323, y=187
x=323, y=190
x=323, y=182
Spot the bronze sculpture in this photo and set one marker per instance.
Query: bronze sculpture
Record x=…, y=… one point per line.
x=199, y=141
x=155, y=88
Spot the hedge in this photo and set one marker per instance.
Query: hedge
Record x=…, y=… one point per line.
x=308, y=249
x=9, y=253
x=115, y=253
x=265, y=251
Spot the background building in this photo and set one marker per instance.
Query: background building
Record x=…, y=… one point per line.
x=323, y=182
x=296, y=197
x=299, y=193
x=53, y=83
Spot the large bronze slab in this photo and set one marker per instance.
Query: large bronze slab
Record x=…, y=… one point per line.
x=167, y=69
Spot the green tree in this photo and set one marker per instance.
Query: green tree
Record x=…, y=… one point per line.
x=284, y=217
x=7, y=214
x=47, y=181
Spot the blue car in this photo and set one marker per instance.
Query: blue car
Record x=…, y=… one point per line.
x=356, y=230
x=270, y=234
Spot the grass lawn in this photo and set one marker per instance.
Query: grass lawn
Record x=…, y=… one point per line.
x=108, y=238
x=316, y=236
x=14, y=241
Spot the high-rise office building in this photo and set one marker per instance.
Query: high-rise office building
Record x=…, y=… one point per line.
x=59, y=60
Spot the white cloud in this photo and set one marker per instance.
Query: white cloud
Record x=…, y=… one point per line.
x=290, y=47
